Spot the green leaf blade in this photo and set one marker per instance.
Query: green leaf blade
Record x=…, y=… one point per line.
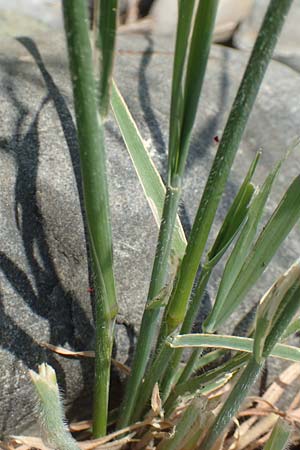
x=146, y=171
x=276, y=230
x=235, y=217
x=280, y=436
x=236, y=343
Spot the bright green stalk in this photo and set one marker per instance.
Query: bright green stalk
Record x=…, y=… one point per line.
x=190, y=365
x=105, y=21
x=200, y=42
x=232, y=403
x=151, y=378
x=185, y=94
x=95, y=191
x=186, y=328
x=184, y=25
x=242, y=106
x=150, y=317
x=234, y=220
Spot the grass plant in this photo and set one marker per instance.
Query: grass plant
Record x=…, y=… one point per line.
x=157, y=359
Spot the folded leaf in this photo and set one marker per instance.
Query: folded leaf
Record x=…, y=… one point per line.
x=237, y=343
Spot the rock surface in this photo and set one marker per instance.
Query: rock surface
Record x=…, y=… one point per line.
x=43, y=263
x=287, y=49
x=230, y=14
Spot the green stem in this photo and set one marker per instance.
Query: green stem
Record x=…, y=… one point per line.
x=190, y=365
x=186, y=328
x=242, y=106
x=105, y=34
x=232, y=403
x=95, y=192
x=193, y=384
x=178, y=149
x=152, y=376
x=148, y=328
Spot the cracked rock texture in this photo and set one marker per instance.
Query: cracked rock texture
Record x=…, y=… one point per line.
x=43, y=262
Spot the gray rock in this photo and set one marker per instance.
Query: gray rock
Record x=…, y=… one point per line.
x=229, y=15
x=287, y=49
x=43, y=262
x=33, y=17
x=20, y=17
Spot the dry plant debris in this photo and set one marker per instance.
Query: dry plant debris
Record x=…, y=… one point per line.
x=261, y=414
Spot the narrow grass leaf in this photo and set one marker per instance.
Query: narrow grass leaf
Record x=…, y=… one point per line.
x=235, y=217
x=184, y=26
x=280, y=436
x=208, y=380
x=184, y=106
x=147, y=173
x=290, y=307
x=276, y=230
x=241, y=248
x=237, y=343
x=293, y=328
x=208, y=358
x=272, y=306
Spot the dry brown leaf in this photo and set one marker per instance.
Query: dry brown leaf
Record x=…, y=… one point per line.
x=6, y=446
x=64, y=352
x=257, y=412
x=274, y=392
x=83, y=354
x=30, y=442
x=114, y=445
x=295, y=402
x=156, y=403
x=121, y=366
x=95, y=443
x=80, y=426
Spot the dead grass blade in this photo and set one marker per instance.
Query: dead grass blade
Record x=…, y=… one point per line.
x=29, y=442
x=255, y=428
x=83, y=354
x=80, y=426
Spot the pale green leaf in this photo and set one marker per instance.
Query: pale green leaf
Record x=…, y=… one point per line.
x=147, y=173
x=237, y=343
